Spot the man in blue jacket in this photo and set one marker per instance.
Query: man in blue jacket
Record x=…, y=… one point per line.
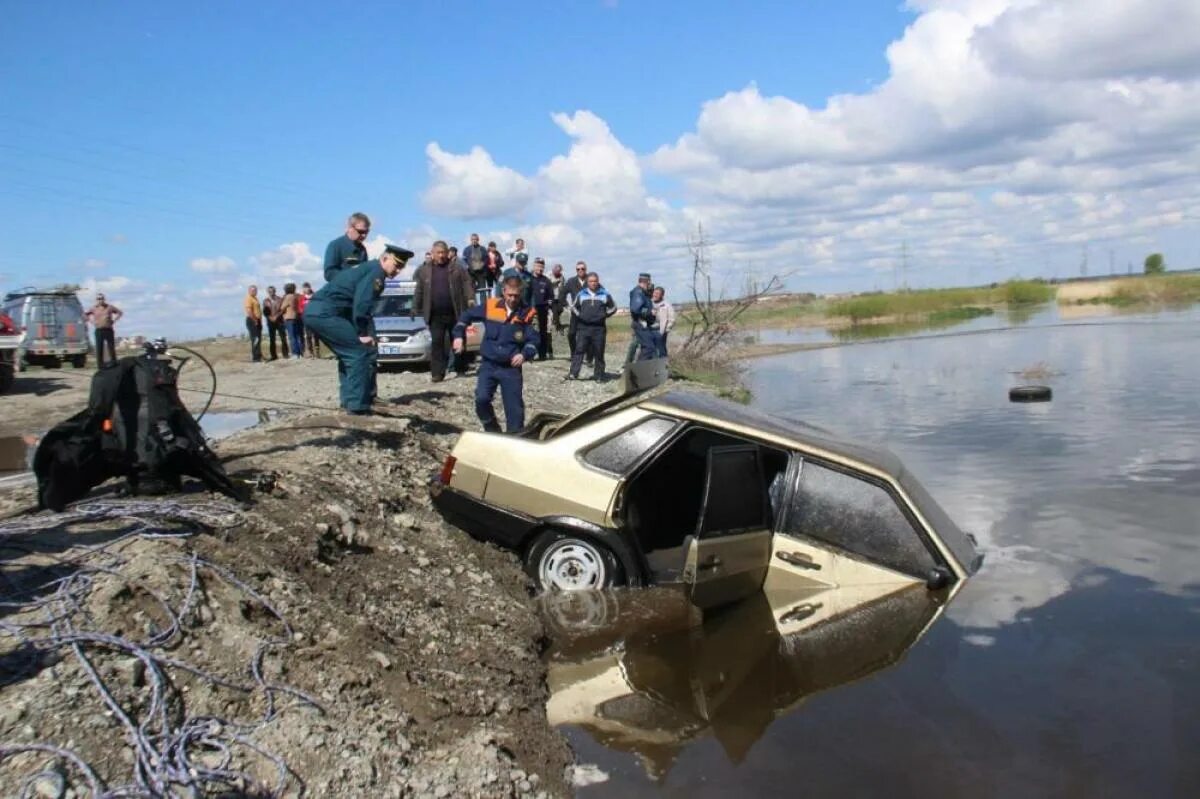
x=543, y=296
x=518, y=270
x=350, y=250
x=340, y=313
x=510, y=339
x=590, y=309
x=644, y=320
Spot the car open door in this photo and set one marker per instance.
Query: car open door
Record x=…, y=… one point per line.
x=728, y=556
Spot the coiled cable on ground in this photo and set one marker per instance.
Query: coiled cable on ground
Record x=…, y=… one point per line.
x=174, y=752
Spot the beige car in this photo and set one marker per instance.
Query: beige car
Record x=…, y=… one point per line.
x=682, y=487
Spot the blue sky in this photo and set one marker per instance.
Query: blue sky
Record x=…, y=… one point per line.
x=140, y=142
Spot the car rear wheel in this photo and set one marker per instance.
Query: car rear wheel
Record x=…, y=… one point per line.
x=560, y=561
x=79, y=361
x=6, y=377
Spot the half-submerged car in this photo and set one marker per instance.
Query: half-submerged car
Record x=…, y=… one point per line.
x=682, y=487
x=402, y=335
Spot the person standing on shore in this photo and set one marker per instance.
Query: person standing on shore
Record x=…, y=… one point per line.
x=541, y=290
x=103, y=318
x=571, y=287
x=273, y=312
x=312, y=344
x=509, y=340
x=665, y=312
x=556, y=307
x=474, y=256
x=518, y=249
x=645, y=323
x=349, y=250
x=519, y=271
x=341, y=314
x=495, y=266
x=254, y=315
x=592, y=307
x=443, y=294
x=291, y=320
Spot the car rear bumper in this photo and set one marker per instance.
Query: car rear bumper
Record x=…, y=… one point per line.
x=481, y=519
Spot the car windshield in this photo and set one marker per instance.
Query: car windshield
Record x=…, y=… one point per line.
x=394, y=305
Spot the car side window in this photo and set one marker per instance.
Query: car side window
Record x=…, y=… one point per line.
x=856, y=516
x=620, y=452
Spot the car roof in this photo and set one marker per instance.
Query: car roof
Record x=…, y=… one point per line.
x=795, y=433
x=723, y=413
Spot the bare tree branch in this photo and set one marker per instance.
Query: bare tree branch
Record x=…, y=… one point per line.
x=713, y=318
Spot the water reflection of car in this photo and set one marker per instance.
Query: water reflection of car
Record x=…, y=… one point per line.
x=685, y=487
x=50, y=325
x=402, y=335
x=643, y=673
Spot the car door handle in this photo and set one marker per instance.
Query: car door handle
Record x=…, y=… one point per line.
x=801, y=611
x=797, y=559
x=712, y=562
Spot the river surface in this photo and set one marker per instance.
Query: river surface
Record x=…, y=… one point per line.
x=1069, y=666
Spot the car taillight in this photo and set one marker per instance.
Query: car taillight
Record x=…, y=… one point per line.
x=447, y=470
x=6, y=325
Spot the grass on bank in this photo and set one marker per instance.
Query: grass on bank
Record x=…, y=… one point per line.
x=956, y=303
x=1151, y=290
x=723, y=377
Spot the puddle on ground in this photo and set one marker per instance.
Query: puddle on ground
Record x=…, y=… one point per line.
x=219, y=424
x=642, y=673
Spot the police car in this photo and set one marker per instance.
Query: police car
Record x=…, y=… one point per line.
x=401, y=334
x=682, y=487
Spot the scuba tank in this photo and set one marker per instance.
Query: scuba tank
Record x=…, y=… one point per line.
x=136, y=427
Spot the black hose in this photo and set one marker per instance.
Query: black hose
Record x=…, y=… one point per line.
x=211, y=371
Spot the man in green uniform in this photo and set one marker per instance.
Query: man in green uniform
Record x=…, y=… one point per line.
x=340, y=313
x=350, y=250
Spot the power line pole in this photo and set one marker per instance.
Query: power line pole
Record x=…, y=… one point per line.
x=1083, y=263
x=904, y=262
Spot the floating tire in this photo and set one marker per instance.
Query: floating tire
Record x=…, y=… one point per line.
x=1030, y=394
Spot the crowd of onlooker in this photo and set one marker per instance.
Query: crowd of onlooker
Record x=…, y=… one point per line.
x=581, y=300
x=284, y=318
x=575, y=308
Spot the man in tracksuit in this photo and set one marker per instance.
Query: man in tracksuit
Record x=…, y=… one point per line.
x=340, y=313
x=644, y=320
x=510, y=339
x=590, y=309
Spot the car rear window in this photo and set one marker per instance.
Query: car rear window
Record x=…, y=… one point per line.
x=618, y=453
x=856, y=516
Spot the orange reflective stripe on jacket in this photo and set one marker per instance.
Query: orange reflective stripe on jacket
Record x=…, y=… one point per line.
x=497, y=312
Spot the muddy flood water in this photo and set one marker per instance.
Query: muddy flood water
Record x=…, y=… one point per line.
x=1069, y=666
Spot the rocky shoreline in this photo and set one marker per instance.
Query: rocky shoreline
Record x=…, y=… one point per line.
x=410, y=653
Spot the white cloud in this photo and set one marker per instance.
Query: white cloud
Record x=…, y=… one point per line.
x=213, y=266
x=1072, y=39
x=95, y=263
x=293, y=261
x=597, y=177
x=472, y=186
